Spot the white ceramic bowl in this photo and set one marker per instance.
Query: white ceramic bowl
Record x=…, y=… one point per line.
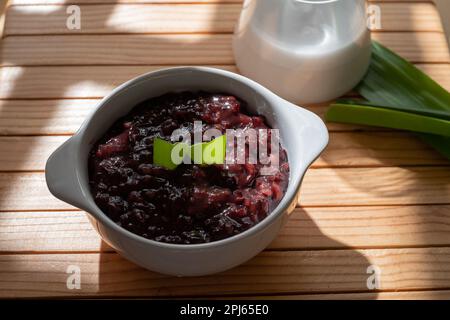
x=303, y=134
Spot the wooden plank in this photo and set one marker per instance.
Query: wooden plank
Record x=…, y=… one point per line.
x=360, y=149
x=443, y=7
x=49, y=2
x=43, y=116
x=306, y=229
x=52, y=82
x=32, y=2
x=113, y=19
x=375, y=186
x=27, y=153
x=3, y=6
x=183, y=18
x=117, y=49
x=406, y=295
x=27, y=191
x=365, y=227
x=321, y=187
x=346, y=149
x=416, y=47
x=178, y=49
x=73, y=81
x=409, y=16
x=108, y=274
x=48, y=232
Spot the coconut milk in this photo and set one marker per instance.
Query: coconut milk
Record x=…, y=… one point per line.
x=305, y=51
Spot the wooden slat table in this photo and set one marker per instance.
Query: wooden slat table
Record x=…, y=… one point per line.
x=375, y=197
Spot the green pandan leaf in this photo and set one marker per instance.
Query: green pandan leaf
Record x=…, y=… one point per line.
x=215, y=150
x=212, y=152
x=170, y=155
x=382, y=117
x=392, y=81
x=441, y=144
x=162, y=154
x=441, y=114
x=398, y=95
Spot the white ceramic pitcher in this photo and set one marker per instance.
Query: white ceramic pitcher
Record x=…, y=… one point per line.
x=305, y=51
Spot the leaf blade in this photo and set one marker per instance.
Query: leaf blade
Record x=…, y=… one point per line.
x=381, y=117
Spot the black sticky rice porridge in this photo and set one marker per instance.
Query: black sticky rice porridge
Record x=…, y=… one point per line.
x=192, y=203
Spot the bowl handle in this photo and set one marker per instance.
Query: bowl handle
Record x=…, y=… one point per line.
x=62, y=176
x=316, y=130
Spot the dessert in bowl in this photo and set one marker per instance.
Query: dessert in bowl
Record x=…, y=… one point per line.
x=193, y=219
x=191, y=202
